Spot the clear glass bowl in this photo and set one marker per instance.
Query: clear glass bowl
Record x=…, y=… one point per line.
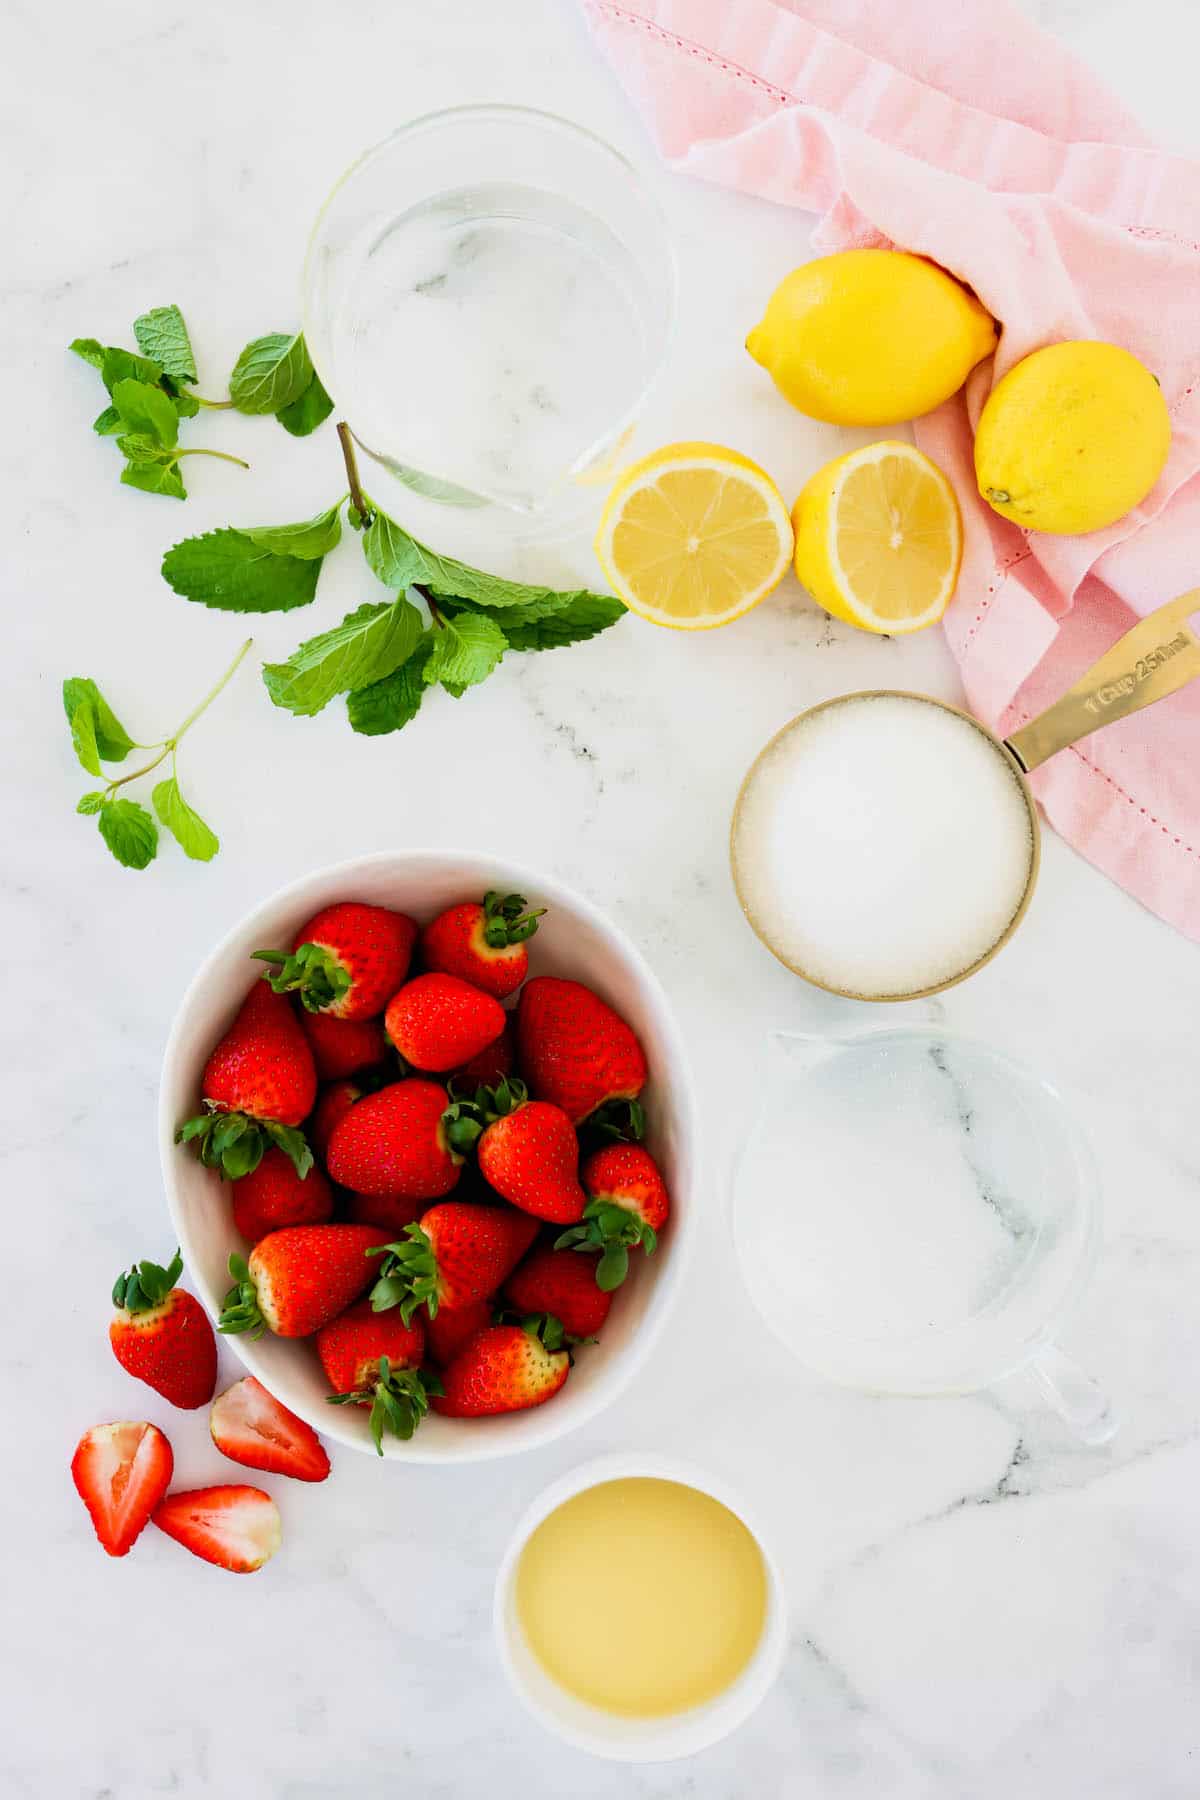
x=488, y=296
x=915, y=1213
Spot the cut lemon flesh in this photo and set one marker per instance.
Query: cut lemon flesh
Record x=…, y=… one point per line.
x=694, y=536
x=879, y=538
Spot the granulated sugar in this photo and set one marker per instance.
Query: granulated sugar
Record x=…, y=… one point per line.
x=882, y=845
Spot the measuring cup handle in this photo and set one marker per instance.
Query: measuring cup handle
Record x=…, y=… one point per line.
x=1079, y=1402
x=1157, y=657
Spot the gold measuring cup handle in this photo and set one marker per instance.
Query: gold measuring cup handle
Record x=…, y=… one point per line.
x=1160, y=655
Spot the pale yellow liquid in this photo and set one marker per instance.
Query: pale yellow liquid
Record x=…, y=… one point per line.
x=642, y=1597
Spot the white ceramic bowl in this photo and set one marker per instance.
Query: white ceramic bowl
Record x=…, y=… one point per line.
x=574, y=939
x=608, y=1734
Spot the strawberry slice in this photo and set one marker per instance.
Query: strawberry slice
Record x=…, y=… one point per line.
x=238, y=1528
x=121, y=1472
x=250, y=1426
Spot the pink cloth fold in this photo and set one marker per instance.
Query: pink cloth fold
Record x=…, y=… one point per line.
x=966, y=134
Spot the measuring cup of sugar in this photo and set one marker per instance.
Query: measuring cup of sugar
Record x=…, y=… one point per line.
x=885, y=845
x=916, y=1213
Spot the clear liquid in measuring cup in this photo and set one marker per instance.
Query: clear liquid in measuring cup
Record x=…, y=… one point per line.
x=493, y=339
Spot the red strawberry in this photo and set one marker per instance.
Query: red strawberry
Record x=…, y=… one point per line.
x=273, y=1195
x=238, y=1528
x=299, y=1278
x=393, y=1144
x=563, y=1285
x=250, y=1426
x=161, y=1335
x=456, y=1254
x=348, y=960
x=121, y=1472
x=389, y=1214
x=628, y=1206
x=437, y=1022
x=257, y=1085
x=373, y=1359
x=573, y=1048
x=503, y=1369
x=343, y=1046
x=331, y=1108
x=529, y=1153
x=494, y=1062
x=452, y=1327
x=484, y=945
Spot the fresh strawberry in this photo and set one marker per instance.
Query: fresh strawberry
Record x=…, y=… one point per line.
x=161, y=1335
x=121, y=1472
x=332, y=1106
x=437, y=1022
x=348, y=960
x=343, y=1046
x=562, y=1284
x=528, y=1151
x=456, y=1254
x=503, y=1369
x=299, y=1278
x=393, y=1145
x=257, y=1086
x=573, y=1048
x=627, y=1207
x=273, y=1195
x=483, y=944
x=238, y=1528
x=389, y=1213
x=453, y=1326
x=250, y=1426
x=493, y=1063
x=374, y=1359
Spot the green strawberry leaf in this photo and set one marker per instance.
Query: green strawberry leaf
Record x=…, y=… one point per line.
x=368, y=644
x=228, y=570
x=129, y=832
x=162, y=336
x=188, y=829
x=271, y=373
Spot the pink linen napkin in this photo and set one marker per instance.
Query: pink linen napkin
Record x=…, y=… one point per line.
x=964, y=133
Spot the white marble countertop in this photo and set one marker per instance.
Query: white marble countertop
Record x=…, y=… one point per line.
x=980, y=1606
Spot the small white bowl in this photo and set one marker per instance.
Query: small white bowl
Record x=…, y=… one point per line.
x=574, y=940
x=590, y=1727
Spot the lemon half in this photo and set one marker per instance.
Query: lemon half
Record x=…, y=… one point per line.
x=694, y=536
x=879, y=538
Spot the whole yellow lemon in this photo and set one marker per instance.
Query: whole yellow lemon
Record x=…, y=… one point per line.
x=1072, y=438
x=870, y=337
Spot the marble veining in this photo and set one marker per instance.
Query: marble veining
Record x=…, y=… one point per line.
x=981, y=1607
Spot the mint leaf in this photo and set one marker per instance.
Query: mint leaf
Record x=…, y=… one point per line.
x=303, y=416
x=91, y=350
x=227, y=570
x=398, y=559
x=104, y=730
x=123, y=365
x=392, y=703
x=129, y=832
x=368, y=644
x=141, y=449
x=581, y=615
x=90, y=803
x=315, y=537
x=105, y=423
x=155, y=478
x=186, y=827
x=146, y=411
x=186, y=405
x=83, y=736
x=270, y=374
x=465, y=651
x=162, y=335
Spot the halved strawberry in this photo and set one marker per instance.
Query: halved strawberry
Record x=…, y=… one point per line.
x=121, y=1472
x=251, y=1427
x=237, y=1528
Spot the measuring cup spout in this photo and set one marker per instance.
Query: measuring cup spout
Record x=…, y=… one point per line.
x=1080, y=1402
x=1160, y=655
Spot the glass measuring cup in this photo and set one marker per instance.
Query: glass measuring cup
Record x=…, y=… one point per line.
x=1155, y=658
x=488, y=295
x=915, y=1213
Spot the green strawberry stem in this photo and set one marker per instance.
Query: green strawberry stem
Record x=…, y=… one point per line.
x=614, y=1231
x=311, y=971
x=409, y=1276
x=240, y=1310
x=171, y=744
x=399, y=1400
x=505, y=920
x=617, y=1121
x=235, y=1142
x=146, y=1285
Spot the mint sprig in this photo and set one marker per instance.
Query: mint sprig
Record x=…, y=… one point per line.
x=127, y=827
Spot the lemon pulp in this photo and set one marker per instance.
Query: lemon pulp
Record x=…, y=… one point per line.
x=642, y=1597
